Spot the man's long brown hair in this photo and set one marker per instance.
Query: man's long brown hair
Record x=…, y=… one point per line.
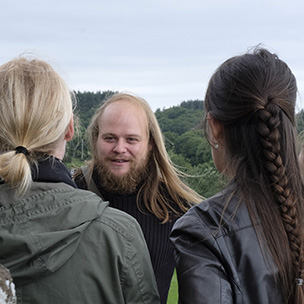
x=164, y=177
x=253, y=96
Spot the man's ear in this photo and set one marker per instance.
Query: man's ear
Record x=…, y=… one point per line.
x=216, y=128
x=70, y=130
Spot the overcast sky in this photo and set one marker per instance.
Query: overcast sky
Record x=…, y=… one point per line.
x=164, y=51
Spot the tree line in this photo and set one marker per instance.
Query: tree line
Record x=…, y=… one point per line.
x=182, y=129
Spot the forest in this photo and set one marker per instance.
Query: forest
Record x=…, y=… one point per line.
x=182, y=129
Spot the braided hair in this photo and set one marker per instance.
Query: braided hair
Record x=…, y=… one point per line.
x=253, y=96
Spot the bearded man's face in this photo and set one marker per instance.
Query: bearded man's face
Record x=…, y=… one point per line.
x=123, y=147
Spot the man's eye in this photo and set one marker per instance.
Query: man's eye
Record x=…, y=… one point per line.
x=109, y=138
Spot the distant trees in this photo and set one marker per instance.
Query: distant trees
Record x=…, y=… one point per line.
x=180, y=119
x=88, y=102
x=187, y=146
x=300, y=121
x=193, y=146
x=183, y=134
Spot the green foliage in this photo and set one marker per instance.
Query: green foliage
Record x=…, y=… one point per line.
x=173, y=291
x=193, y=146
x=88, y=103
x=204, y=178
x=180, y=119
x=180, y=162
x=203, y=152
x=169, y=138
x=74, y=163
x=300, y=121
x=193, y=104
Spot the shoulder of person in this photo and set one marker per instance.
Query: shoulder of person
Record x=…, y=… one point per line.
x=89, y=207
x=77, y=172
x=119, y=221
x=223, y=213
x=79, y=178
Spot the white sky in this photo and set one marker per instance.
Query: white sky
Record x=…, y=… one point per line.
x=164, y=51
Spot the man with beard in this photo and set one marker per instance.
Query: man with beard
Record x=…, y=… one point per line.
x=131, y=169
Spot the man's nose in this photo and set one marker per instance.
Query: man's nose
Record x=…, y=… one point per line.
x=120, y=146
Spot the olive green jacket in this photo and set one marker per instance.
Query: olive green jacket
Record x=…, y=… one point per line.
x=64, y=245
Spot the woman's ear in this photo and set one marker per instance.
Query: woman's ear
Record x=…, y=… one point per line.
x=216, y=128
x=70, y=130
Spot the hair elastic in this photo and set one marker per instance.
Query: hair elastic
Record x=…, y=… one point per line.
x=23, y=150
x=299, y=281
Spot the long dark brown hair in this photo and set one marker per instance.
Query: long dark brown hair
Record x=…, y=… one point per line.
x=253, y=96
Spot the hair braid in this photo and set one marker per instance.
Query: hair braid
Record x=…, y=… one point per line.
x=268, y=129
x=253, y=96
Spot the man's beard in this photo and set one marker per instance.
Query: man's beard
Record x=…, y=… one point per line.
x=122, y=184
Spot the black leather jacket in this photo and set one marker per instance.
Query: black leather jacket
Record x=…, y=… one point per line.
x=222, y=263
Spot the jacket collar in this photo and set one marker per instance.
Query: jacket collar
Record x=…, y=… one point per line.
x=51, y=169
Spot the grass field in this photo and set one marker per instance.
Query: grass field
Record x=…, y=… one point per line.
x=173, y=292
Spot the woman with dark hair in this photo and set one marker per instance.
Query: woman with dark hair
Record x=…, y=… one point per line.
x=245, y=244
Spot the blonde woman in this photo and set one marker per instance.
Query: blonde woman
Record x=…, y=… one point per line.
x=61, y=244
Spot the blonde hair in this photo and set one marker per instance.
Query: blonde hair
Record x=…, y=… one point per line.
x=161, y=168
x=35, y=110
